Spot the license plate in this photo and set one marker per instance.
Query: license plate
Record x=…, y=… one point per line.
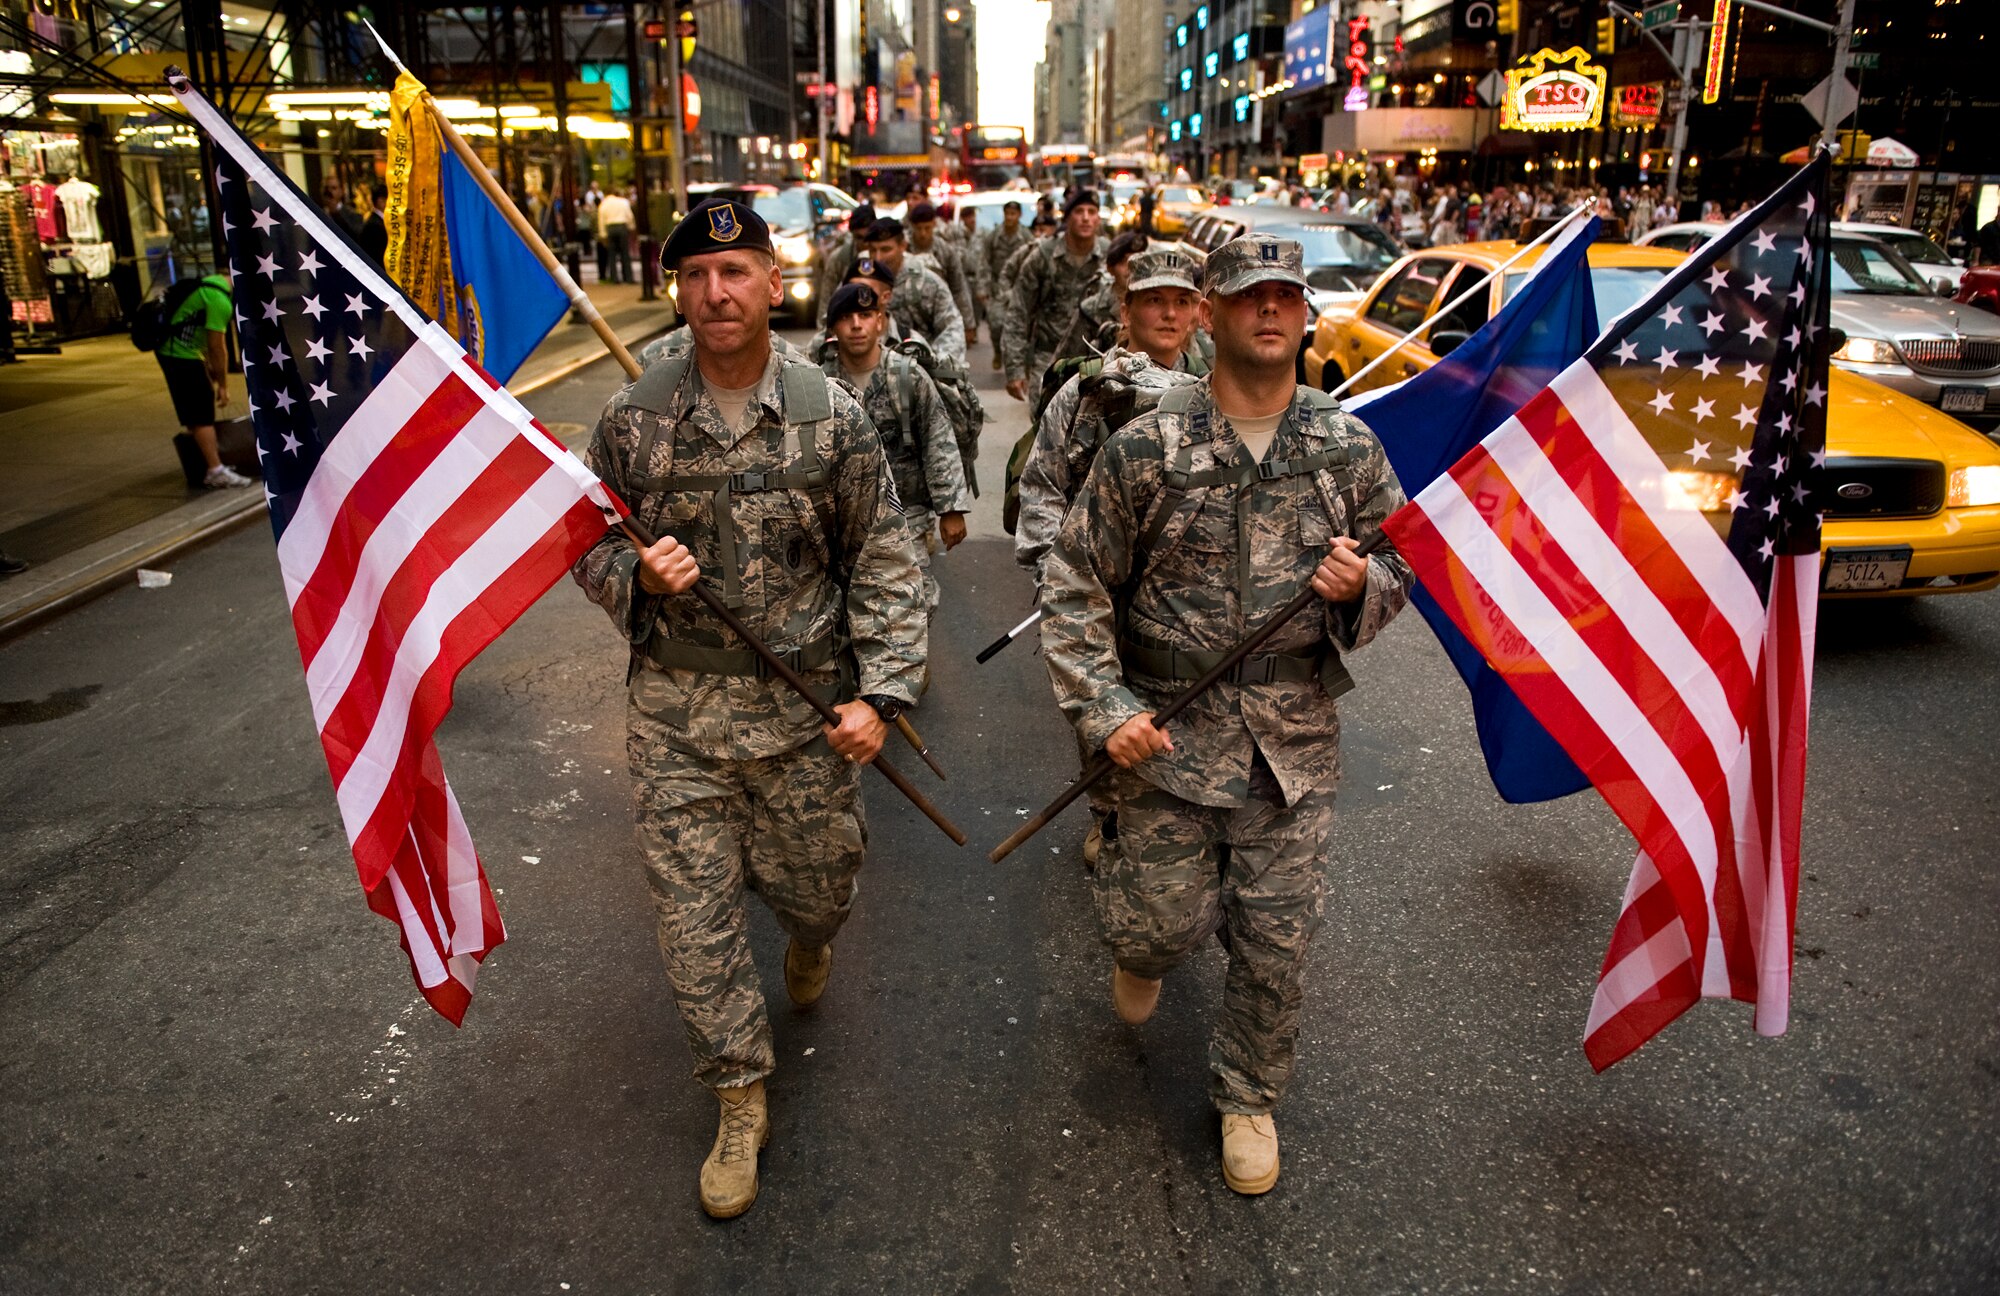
x=1865, y=569
x=1964, y=400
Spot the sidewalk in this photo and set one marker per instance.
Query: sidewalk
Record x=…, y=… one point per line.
x=90, y=489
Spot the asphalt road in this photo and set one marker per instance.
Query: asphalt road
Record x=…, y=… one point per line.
x=215, y=1073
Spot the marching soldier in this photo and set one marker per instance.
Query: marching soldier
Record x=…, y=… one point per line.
x=910, y=416
x=833, y=268
x=1195, y=523
x=943, y=258
x=1053, y=282
x=767, y=482
x=1161, y=305
x=922, y=303
x=996, y=247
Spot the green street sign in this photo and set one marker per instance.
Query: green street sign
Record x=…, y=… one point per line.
x=1660, y=15
x=1866, y=60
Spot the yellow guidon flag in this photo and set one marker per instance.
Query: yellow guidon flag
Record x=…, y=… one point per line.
x=419, y=255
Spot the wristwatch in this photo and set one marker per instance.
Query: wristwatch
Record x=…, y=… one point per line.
x=885, y=706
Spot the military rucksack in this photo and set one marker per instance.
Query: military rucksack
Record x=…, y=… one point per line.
x=906, y=451
x=961, y=400
x=1117, y=398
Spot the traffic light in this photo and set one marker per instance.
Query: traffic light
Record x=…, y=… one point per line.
x=1508, y=18
x=1607, y=33
x=688, y=29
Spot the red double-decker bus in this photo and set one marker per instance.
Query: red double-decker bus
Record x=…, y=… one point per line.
x=989, y=156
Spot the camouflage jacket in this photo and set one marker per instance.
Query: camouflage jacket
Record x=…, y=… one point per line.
x=1222, y=558
x=922, y=305
x=1073, y=428
x=1095, y=327
x=996, y=247
x=903, y=404
x=946, y=260
x=805, y=564
x=1046, y=296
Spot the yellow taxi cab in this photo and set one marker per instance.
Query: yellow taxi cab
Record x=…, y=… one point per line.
x=1913, y=495
x=1175, y=205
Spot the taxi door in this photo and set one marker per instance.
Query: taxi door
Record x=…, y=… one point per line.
x=1402, y=302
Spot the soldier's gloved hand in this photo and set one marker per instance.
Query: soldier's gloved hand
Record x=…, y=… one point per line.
x=667, y=567
x=1018, y=388
x=951, y=529
x=1342, y=574
x=1135, y=740
x=860, y=734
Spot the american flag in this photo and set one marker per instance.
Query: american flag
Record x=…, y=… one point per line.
x=1637, y=552
x=419, y=509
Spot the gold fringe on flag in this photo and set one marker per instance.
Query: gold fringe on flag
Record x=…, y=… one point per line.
x=419, y=255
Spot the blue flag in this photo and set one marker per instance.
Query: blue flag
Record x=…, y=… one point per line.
x=1429, y=422
x=507, y=301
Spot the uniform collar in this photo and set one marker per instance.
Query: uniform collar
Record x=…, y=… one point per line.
x=704, y=414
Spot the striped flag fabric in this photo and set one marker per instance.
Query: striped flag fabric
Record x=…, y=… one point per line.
x=1636, y=551
x=419, y=509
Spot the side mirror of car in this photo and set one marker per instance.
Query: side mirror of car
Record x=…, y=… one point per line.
x=1446, y=341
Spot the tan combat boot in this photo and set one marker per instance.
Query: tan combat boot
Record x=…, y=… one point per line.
x=1249, y=1153
x=729, y=1176
x=1093, y=845
x=806, y=972
x=1134, y=997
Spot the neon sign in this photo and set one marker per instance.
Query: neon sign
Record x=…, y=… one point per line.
x=1542, y=97
x=1718, y=44
x=1356, y=61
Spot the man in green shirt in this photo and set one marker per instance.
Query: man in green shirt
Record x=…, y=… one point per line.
x=195, y=359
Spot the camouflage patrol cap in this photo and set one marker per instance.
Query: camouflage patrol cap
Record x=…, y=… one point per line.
x=1253, y=259
x=1171, y=266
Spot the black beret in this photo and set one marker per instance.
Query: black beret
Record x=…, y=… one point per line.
x=885, y=229
x=922, y=211
x=870, y=268
x=1081, y=198
x=1013, y=203
x=861, y=217
x=718, y=225
x=850, y=299
x=1125, y=247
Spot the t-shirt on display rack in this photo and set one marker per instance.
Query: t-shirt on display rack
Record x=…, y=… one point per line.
x=52, y=245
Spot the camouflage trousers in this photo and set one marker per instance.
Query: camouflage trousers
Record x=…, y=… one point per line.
x=1178, y=872
x=923, y=530
x=788, y=827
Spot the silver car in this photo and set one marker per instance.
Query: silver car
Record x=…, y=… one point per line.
x=1903, y=335
x=1915, y=246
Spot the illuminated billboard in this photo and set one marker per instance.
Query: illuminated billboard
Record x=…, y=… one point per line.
x=1308, y=51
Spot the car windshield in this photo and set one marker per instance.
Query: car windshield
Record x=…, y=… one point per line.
x=1362, y=247
x=1615, y=289
x=1916, y=247
x=1180, y=194
x=1868, y=267
x=1124, y=190
x=786, y=209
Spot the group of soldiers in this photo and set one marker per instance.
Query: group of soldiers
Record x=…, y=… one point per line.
x=1169, y=505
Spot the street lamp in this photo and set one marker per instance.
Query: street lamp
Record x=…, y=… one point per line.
x=953, y=14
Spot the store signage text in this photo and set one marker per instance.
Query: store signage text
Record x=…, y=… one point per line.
x=1544, y=96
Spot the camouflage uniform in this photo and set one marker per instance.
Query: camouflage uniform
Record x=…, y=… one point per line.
x=903, y=404
x=1230, y=829
x=995, y=248
x=922, y=305
x=1072, y=429
x=1095, y=327
x=947, y=261
x=1046, y=295
x=736, y=786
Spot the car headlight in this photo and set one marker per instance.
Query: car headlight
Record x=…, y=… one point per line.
x=1974, y=486
x=1700, y=492
x=796, y=250
x=1862, y=350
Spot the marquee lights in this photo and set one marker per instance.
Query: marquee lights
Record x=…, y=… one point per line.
x=1543, y=97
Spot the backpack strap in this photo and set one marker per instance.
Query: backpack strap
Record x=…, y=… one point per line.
x=904, y=372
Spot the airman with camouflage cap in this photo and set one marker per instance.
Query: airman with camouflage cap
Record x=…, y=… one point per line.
x=767, y=481
x=1195, y=523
